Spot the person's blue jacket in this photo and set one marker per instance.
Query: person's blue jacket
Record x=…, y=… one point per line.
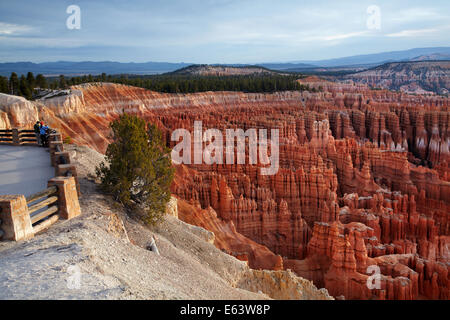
x=43, y=130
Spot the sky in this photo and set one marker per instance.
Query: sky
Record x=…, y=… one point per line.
x=217, y=31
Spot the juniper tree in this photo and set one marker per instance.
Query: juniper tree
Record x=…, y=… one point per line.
x=62, y=82
x=24, y=89
x=31, y=81
x=138, y=171
x=41, y=82
x=4, y=85
x=14, y=83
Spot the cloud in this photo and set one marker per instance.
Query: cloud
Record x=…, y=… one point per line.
x=416, y=15
x=411, y=33
x=13, y=29
x=218, y=30
x=344, y=36
x=30, y=42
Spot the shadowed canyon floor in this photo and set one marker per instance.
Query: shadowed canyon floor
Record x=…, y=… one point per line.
x=363, y=179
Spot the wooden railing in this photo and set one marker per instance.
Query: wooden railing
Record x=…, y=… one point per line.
x=24, y=217
x=6, y=136
x=47, y=199
x=27, y=137
x=18, y=137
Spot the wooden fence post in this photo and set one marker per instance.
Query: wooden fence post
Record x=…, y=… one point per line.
x=54, y=147
x=68, y=204
x=15, y=137
x=66, y=170
x=16, y=222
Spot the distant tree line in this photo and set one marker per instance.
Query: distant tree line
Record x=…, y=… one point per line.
x=25, y=86
x=191, y=84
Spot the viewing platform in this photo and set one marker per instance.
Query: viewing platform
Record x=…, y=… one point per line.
x=38, y=186
x=24, y=170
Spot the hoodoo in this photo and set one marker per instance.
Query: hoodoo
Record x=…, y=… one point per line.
x=362, y=180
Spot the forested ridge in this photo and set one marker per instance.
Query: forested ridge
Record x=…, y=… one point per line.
x=27, y=86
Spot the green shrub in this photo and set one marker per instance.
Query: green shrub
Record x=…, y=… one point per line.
x=138, y=171
x=67, y=140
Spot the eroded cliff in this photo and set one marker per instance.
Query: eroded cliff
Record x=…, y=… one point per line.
x=363, y=178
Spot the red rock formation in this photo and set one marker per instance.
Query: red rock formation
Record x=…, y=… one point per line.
x=363, y=179
x=228, y=239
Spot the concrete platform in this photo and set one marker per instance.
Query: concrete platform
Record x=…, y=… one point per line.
x=24, y=169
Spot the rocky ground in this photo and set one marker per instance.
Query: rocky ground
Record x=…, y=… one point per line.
x=103, y=254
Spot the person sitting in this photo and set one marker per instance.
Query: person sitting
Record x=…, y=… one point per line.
x=43, y=133
x=37, y=131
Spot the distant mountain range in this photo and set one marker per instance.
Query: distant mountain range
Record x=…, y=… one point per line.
x=410, y=77
x=359, y=63
x=433, y=53
x=89, y=67
x=352, y=63
x=223, y=70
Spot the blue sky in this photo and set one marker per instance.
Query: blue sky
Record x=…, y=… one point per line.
x=216, y=31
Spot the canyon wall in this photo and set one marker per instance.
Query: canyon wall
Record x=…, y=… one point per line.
x=363, y=181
